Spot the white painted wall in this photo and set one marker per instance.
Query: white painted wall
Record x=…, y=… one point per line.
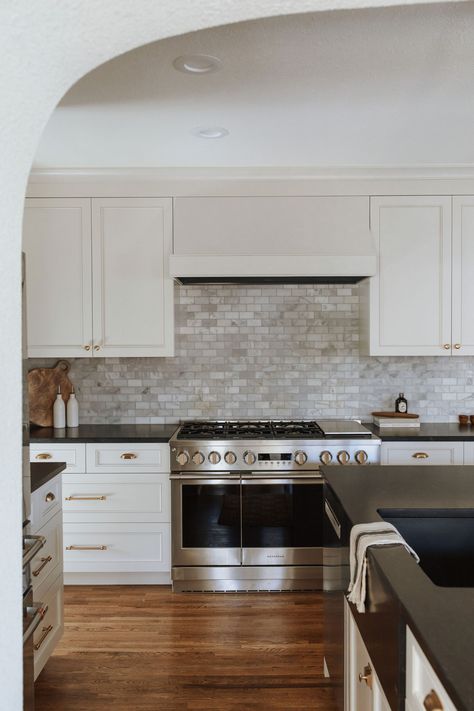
x=46, y=47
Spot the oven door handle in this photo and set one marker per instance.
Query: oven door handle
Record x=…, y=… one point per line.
x=220, y=478
x=258, y=479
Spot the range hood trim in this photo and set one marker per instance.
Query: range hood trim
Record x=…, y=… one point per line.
x=276, y=269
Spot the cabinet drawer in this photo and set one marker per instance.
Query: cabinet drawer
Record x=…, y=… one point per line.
x=114, y=548
x=118, y=501
x=50, y=556
x=421, y=453
x=50, y=629
x=116, y=457
x=73, y=454
x=421, y=680
x=45, y=503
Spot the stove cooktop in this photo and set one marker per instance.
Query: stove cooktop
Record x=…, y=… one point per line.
x=270, y=429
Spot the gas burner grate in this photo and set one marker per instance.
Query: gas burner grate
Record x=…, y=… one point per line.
x=251, y=429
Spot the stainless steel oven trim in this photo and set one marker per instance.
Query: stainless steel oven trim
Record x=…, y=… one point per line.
x=263, y=481
x=198, y=556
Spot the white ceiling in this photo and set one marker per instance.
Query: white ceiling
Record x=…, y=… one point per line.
x=392, y=86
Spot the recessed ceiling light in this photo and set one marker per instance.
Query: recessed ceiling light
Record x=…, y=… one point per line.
x=210, y=132
x=197, y=63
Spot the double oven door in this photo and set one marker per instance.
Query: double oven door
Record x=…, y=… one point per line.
x=247, y=519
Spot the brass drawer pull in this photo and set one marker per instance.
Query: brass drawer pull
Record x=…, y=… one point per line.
x=86, y=548
x=46, y=631
x=367, y=676
x=128, y=455
x=44, y=561
x=44, y=455
x=420, y=455
x=432, y=702
x=85, y=498
x=49, y=497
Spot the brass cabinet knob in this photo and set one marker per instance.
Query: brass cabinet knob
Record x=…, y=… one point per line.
x=447, y=346
x=97, y=347
x=366, y=676
x=432, y=702
x=49, y=497
x=87, y=348
x=457, y=346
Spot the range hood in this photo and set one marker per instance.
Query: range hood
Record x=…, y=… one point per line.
x=252, y=240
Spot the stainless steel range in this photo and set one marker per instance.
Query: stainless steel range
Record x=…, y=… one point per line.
x=247, y=500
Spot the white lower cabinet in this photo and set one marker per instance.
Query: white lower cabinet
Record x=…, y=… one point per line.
x=47, y=569
x=422, y=453
x=362, y=688
x=117, y=512
x=423, y=689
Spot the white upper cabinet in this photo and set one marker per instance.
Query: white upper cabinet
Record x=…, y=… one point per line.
x=408, y=303
x=57, y=243
x=97, y=277
x=133, y=293
x=463, y=276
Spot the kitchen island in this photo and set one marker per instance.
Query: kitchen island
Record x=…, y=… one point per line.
x=442, y=618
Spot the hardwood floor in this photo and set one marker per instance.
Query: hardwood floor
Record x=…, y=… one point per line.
x=144, y=648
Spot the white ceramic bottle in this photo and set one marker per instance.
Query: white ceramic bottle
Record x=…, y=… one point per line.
x=72, y=411
x=59, y=411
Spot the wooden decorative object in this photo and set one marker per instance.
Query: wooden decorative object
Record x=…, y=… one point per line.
x=399, y=415
x=42, y=389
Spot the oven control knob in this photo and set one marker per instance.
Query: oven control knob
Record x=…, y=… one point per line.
x=214, y=457
x=198, y=457
x=230, y=458
x=325, y=457
x=182, y=457
x=343, y=456
x=361, y=457
x=301, y=457
x=249, y=457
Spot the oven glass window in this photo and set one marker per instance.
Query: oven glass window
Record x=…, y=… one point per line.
x=210, y=515
x=282, y=515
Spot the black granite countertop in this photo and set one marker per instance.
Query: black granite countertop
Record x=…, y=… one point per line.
x=442, y=618
x=104, y=433
x=429, y=431
x=41, y=472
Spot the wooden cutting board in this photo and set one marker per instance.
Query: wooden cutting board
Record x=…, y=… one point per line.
x=400, y=415
x=42, y=389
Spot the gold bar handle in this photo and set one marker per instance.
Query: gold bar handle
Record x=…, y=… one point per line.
x=432, y=702
x=366, y=676
x=420, y=455
x=128, y=455
x=86, y=548
x=46, y=631
x=44, y=561
x=44, y=455
x=85, y=498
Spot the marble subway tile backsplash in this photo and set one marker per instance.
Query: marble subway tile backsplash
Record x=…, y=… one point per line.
x=267, y=352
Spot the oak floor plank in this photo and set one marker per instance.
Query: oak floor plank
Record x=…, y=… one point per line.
x=143, y=648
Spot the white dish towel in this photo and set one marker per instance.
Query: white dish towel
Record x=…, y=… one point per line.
x=364, y=535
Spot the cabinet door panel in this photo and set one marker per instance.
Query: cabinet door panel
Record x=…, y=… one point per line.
x=410, y=297
x=463, y=275
x=57, y=243
x=132, y=292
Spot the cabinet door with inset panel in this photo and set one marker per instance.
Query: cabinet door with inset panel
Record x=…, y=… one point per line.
x=410, y=298
x=132, y=290
x=463, y=276
x=57, y=244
